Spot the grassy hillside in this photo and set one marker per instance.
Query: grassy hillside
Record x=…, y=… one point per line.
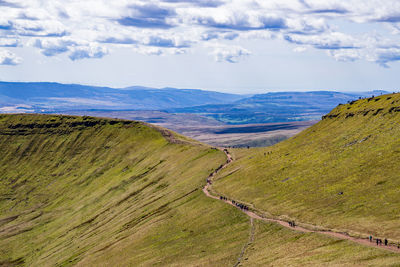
x=84, y=190
x=342, y=173
x=98, y=192
x=274, y=245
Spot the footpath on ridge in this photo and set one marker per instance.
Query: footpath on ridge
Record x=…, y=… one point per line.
x=254, y=214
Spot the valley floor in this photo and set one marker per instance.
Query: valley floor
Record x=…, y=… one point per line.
x=210, y=131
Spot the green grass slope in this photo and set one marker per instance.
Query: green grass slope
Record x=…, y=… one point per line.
x=274, y=245
x=342, y=173
x=82, y=191
x=87, y=191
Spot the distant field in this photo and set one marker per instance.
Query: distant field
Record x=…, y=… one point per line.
x=210, y=131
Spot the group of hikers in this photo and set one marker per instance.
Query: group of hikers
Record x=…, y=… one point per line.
x=291, y=223
x=240, y=205
x=237, y=204
x=379, y=241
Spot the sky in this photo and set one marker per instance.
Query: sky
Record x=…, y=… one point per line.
x=238, y=46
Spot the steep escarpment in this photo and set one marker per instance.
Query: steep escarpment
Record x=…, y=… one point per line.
x=341, y=174
x=82, y=190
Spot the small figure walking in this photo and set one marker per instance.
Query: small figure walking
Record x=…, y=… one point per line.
x=370, y=238
x=377, y=241
x=386, y=242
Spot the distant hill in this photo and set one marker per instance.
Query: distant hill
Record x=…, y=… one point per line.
x=43, y=97
x=29, y=96
x=277, y=107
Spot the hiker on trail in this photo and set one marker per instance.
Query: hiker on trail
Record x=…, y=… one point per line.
x=294, y=225
x=377, y=241
x=290, y=224
x=370, y=238
x=398, y=245
x=386, y=242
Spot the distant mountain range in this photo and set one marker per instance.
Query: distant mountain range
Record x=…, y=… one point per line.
x=276, y=107
x=36, y=97
x=19, y=97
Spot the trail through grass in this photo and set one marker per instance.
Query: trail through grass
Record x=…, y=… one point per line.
x=340, y=174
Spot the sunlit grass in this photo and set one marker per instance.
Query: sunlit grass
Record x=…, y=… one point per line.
x=342, y=173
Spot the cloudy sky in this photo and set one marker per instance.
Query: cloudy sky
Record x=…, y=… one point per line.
x=242, y=46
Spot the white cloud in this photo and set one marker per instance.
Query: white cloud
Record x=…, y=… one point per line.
x=9, y=58
x=9, y=42
x=81, y=28
x=330, y=40
x=158, y=51
x=150, y=51
x=52, y=46
x=88, y=51
x=231, y=54
x=345, y=55
x=300, y=49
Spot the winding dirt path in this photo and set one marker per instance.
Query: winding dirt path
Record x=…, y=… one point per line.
x=253, y=215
